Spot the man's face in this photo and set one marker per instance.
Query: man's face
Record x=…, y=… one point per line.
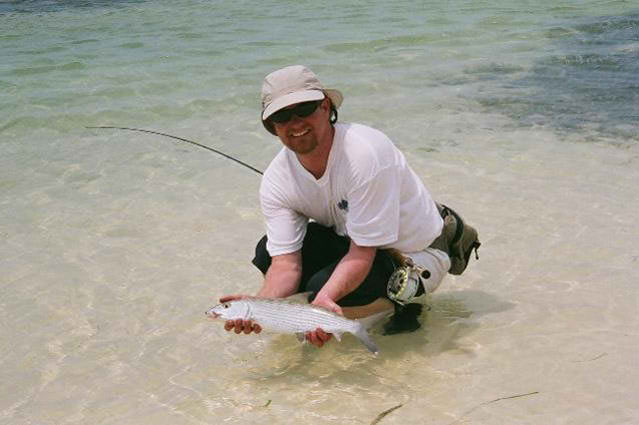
x=303, y=135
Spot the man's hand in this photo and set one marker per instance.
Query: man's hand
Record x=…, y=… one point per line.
x=282, y=279
x=318, y=337
x=239, y=325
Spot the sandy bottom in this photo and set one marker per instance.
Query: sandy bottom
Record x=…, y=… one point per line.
x=110, y=260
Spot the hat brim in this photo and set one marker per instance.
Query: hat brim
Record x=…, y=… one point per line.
x=336, y=97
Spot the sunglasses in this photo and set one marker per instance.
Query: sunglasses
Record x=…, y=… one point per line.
x=301, y=110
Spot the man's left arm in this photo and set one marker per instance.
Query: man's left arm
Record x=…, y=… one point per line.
x=347, y=276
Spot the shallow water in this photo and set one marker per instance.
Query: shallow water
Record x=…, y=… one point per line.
x=523, y=116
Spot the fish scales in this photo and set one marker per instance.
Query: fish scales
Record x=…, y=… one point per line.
x=282, y=316
x=298, y=317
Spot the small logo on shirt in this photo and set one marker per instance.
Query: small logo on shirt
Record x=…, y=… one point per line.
x=343, y=205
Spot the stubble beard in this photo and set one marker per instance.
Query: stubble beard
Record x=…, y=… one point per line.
x=303, y=145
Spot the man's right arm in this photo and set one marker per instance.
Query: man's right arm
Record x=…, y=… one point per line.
x=283, y=276
x=282, y=280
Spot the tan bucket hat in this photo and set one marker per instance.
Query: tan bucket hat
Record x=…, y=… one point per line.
x=291, y=85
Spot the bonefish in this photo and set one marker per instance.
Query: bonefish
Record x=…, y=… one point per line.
x=282, y=316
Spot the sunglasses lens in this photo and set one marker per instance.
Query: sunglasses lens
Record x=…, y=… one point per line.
x=302, y=110
x=281, y=116
x=305, y=109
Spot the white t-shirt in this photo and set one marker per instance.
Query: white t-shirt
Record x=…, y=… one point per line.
x=368, y=193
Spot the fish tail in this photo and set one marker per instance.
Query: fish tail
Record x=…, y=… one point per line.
x=361, y=334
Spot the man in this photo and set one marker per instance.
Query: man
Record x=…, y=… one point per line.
x=336, y=199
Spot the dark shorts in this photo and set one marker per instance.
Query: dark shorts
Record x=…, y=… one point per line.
x=322, y=250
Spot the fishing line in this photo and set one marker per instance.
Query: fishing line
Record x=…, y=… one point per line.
x=183, y=140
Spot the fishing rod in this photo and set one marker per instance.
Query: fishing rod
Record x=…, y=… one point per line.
x=183, y=140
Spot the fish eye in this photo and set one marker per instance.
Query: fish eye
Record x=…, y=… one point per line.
x=225, y=305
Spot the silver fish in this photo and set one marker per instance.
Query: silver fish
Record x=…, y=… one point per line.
x=282, y=316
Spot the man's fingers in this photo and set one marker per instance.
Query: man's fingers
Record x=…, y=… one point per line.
x=323, y=336
x=318, y=337
x=312, y=338
x=240, y=326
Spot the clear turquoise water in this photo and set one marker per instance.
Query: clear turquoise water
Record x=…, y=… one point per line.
x=569, y=66
x=522, y=115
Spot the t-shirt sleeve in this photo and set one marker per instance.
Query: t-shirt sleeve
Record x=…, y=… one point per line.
x=373, y=217
x=285, y=228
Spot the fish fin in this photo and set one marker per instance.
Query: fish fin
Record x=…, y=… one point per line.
x=338, y=336
x=300, y=297
x=365, y=339
x=370, y=321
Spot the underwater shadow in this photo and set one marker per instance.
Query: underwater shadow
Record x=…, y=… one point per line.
x=450, y=317
x=588, y=82
x=51, y=6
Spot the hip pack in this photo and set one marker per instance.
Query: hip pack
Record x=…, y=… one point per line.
x=458, y=240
